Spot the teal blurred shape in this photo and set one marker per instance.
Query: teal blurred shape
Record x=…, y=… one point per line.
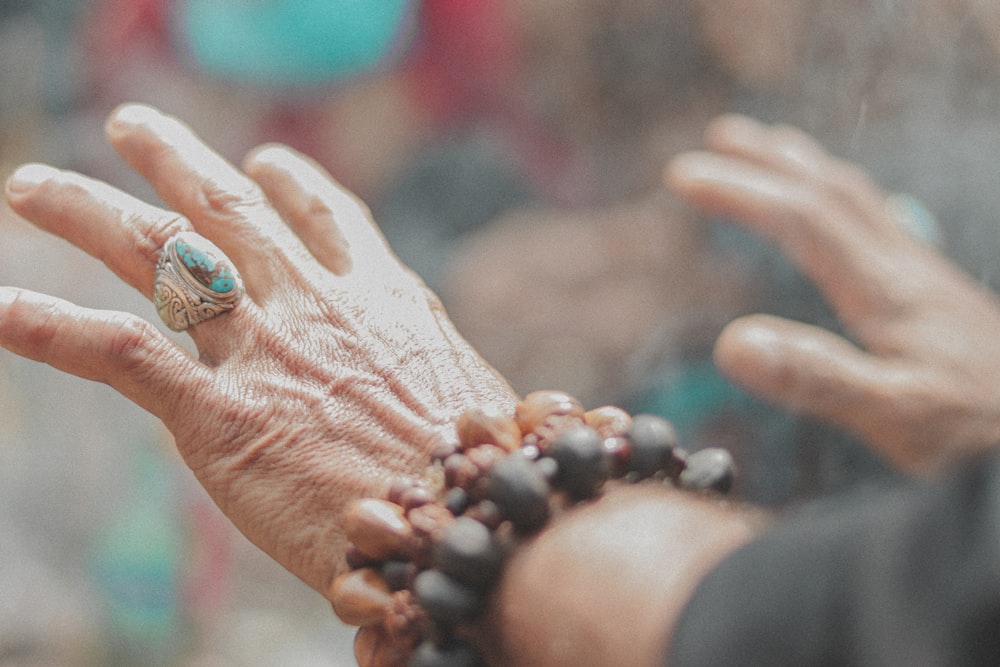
x=291, y=42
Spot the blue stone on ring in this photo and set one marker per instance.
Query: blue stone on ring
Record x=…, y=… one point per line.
x=205, y=267
x=194, y=282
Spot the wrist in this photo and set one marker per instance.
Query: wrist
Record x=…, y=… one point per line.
x=607, y=582
x=426, y=561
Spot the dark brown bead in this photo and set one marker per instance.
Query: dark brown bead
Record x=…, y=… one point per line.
x=651, y=442
x=480, y=426
x=710, y=469
x=468, y=553
x=617, y=451
x=455, y=653
x=445, y=599
x=378, y=528
x=356, y=559
x=518, y=487
x=582, y=464
x=360, y=597
x=398, y=574
x=487, y=513
x=456, y=500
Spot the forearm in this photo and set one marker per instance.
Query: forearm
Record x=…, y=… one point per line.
x=606, y=582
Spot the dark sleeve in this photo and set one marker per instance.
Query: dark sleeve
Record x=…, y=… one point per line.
x=903, y=576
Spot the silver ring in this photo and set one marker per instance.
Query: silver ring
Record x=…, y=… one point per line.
x=195, y=281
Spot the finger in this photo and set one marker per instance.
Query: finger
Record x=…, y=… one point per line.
x=779, y=147
x=115, y=348
x=789, y=151
x=310, y=201
x=807, y=369
x=333, y=223
x=222, y=203
x=118, y=229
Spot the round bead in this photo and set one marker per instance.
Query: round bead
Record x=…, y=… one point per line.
x=398, y=574
x=518, y=487
x=468, y=553
x=360, y=597
x=456, y=500
x=608, y=421
x=374, y=648
x=539, y=406
x=488, y=427
x=583, y=466
x=444, y=599
x=487, y=513
x=378, y=528
x=454, y=653
x=710, y=469
x=651, y=442
x=415, y=496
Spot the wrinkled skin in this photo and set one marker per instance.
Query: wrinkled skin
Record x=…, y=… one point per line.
x=919, y=384
x=337, y=373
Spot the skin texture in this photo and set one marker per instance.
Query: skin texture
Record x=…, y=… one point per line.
x=339, y=371
x=336, y=374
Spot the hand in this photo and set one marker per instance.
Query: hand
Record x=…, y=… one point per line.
x=920, y=384
x=337, y=373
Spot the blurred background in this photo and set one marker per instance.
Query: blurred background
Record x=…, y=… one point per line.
x=512, y=152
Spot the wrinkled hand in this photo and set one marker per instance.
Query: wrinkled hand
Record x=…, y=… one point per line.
x=920, y=385
x=337, y=373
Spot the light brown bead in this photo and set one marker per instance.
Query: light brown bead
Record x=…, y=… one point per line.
x=479, y=426
x=378, y=528
x=609, y=421
x=360, y=597
x=374, y=648
x=542, y=406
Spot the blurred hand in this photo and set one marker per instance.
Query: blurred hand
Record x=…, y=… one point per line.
x=918, y=381
x=337, y=373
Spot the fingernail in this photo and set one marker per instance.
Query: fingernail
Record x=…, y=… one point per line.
x=129, y=116
x=692, y=167
x=29, y=177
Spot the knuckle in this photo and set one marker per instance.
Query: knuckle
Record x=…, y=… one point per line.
x=229, y=205
x=151, y=236
x=317, y=208
x=131, y=344
x=42, y=330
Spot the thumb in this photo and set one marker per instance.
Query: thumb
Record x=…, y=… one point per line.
x=806, y=369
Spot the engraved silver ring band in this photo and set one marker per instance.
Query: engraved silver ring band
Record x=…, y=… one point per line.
x=195, y=282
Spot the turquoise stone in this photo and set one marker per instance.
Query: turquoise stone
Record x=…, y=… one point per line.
x=207, y=269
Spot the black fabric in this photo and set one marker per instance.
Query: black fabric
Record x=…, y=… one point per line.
x=905, y=575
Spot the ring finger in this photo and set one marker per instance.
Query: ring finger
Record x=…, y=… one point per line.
x=125, y=233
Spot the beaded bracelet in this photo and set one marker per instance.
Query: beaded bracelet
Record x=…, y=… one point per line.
x=424, y=562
